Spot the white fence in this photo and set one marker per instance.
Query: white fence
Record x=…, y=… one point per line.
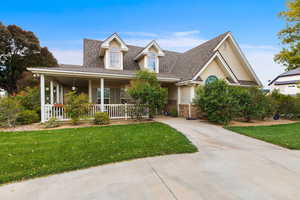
x=115, y=111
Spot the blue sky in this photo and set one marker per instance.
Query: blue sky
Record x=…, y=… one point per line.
x=176, y=25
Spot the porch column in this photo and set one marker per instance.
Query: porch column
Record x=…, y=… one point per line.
x=61, y=94
x=192, y=94
x=90, y=91
x=42, y=91
x=51, y=93
x=57, y=93
x=102, y=94
x=178, y=100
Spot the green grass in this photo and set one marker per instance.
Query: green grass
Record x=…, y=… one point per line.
x=285, y=135
x=30, y=154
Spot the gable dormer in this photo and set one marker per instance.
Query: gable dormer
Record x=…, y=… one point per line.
x=112, y=50
x=149, y=57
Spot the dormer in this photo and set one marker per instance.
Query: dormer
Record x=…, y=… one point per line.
x=112, y=50
x=149, y=57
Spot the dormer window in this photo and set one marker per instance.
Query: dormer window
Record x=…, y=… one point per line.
x=148, y=58
x=112, y=51
x=115, y=58
x=152, y=61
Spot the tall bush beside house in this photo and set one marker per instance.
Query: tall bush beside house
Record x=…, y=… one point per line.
x=30, y=99
x=9, y=110
x=246, y=103
x=27, y=117
x=216, y=99
x=146, y=91
x=253, y=103
x=77, y=106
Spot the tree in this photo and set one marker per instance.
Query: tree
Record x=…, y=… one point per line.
x=289, y=56
x=145, y=89
x=77, y=106
x=20, y=49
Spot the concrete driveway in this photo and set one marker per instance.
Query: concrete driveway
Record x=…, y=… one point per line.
x=227, y=166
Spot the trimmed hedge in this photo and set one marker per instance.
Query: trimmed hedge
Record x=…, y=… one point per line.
x=101, y=118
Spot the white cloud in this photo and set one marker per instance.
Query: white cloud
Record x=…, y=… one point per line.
x=176, y=41
x=264, y=47
x=141, y=34
x=263, y=64
x=186, y=33
x=68, y=56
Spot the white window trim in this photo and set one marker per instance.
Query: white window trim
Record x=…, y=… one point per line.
x=146, y=63
x=107, y=61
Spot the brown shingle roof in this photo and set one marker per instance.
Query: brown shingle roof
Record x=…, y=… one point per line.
x=192, y=61
x=92, y=58
x=174, y=64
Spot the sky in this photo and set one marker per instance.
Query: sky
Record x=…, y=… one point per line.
x=177, y=25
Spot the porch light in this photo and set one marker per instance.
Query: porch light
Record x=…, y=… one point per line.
x=47, y=89
x=73, y=87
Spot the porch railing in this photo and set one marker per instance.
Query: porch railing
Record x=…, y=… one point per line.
x=115, y=111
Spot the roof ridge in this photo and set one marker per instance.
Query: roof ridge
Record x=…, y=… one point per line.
x=206, y=42
x=171, y=51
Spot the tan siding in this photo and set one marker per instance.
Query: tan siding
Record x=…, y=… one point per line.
x=213, y=69
x=234, y=61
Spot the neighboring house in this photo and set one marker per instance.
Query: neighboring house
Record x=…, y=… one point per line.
x=109, y=65
x=287, y=82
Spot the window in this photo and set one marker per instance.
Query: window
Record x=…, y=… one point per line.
x=115, y=57
x=211, y=79
x=152, y=61
x=106, y=95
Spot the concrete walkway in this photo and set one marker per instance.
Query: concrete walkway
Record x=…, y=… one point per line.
x=227, y=166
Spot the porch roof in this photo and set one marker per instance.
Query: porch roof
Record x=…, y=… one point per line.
x=81, y=71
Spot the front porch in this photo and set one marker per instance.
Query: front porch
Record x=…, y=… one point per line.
x=105, y=95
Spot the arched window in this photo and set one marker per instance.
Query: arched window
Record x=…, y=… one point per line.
x=152, y=61
x=211, y=79
x=115, y=57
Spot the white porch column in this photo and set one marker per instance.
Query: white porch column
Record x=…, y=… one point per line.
x=51, y=93
x=57, y=92
x=192, y=94
x=90, y=91
x=102, y=94
x=42, y=91
x=178, y=100
x=61, y=94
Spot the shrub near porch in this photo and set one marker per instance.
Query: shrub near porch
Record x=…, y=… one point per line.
x=37, y=153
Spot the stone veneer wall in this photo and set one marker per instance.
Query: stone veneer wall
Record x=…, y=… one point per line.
x=184, y=111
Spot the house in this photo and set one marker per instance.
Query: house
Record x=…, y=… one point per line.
x=287, y=83
x=109, y=65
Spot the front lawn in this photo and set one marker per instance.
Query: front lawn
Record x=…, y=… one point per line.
x=36, y=153
x=285, y=135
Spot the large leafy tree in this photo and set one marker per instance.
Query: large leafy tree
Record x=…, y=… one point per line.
x=145, y=89
x=20, y=49
x=289, y=56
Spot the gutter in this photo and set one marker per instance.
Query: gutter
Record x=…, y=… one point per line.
x=93, y=74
